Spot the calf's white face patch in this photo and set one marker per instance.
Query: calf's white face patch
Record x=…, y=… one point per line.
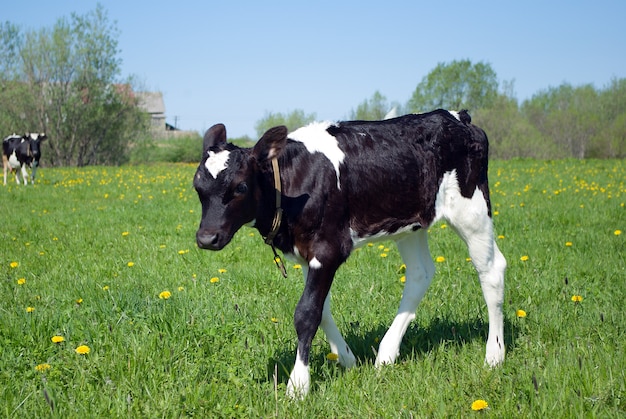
x=216, y=162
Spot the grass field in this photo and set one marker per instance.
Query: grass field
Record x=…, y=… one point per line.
x=104, y=260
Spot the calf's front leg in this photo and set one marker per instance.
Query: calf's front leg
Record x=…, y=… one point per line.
x=307, y=319
x=336, y=341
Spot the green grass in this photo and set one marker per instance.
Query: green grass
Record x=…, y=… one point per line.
x=213, y=347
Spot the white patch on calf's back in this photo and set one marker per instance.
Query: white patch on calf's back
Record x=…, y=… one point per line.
x=316, y=138
x=217, y=162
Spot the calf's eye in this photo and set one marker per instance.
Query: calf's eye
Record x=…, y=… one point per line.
x=241, y=188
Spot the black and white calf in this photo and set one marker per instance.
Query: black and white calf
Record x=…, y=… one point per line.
x=18, y=152
x=344, y=184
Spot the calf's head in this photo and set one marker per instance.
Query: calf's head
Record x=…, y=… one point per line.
x=35, y=146
x=231, y=186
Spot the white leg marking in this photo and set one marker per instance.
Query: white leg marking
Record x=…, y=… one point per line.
x=469, y=218
x=299, y=380
x=24, y=175
x=491, y=274
x=419, y=273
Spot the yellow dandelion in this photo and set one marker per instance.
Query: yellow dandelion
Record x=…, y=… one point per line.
x=383, y=255
x=181, y=289
x=370, y=245
x=21, y=281
x=443, y=226
x=214, y=280
x=332, y=357
x=130, y=264
x=500, y=236
x=617, y=232
x=57, y=339
x=42, y=367
x=496, y=213
x=82, y=350
x=182, y=252
x=524, y=258
x=479, y=405
x=440, y=259
x=468, y=259
x=520, y=313
x=568, y=244
x=30, y=309
x=403, y=279
x=577, y=298
x=125, y=233
x=274, y=320
x=164, y=295
x=79, y=301
x=222, y=270
x=381, y=247
x=297, y=266
x=105, y=288
x=14, y=265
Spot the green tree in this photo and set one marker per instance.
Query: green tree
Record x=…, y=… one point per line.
x=457, y=85
x=376, y=108
x=566, y=115
x=610, y=140
x=292, y=121
x=10, y=41
x=510, y=134
x=66, y=84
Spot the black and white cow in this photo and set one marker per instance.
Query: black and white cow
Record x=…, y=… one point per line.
x=18, y=152
x=344, y=184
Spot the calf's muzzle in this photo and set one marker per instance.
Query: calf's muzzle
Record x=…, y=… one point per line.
x=209, y=240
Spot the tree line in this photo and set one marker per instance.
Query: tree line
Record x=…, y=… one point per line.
x=559, y=122
x=66, y=81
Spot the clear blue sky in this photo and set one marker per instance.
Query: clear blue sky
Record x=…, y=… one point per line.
x=233, y=61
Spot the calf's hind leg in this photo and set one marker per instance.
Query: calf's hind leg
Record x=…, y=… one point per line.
x=473, y=224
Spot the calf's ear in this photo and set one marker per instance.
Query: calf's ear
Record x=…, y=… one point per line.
x=216, y=135
x=271, y=143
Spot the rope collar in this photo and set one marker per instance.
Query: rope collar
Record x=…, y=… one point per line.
x=278, y=216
